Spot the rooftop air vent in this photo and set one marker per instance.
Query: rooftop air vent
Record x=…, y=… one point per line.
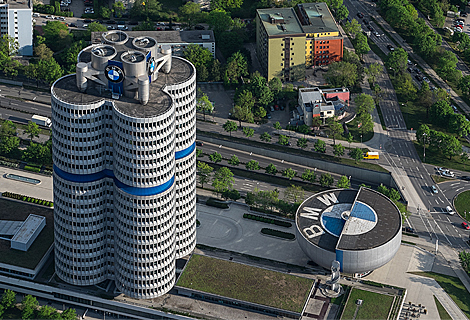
x=99, y=52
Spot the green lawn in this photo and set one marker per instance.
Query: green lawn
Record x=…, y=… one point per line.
x=439, y=179
x=453, y=287
x=239, y=281
x=442, y=312
x=374, y=305
x=462, y=204
x=12, y=210
x=436, y=158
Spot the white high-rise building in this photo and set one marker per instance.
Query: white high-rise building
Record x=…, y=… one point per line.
x=123, y=132
x=16, y=20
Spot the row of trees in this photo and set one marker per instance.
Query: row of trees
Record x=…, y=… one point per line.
x=30, y=308
x=439, y=142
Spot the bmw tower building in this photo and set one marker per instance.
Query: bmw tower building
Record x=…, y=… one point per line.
x=123, y=133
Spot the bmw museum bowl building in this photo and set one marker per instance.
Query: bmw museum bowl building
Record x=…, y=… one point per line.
x=359, y=228
x=123, y=137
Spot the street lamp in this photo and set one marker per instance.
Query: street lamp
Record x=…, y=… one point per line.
x=361, y=138
x=424, y=146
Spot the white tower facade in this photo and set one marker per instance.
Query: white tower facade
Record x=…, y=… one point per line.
x=124, y=130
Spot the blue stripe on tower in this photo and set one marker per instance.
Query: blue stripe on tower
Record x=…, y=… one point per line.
x=186, y=152
x=83, y=178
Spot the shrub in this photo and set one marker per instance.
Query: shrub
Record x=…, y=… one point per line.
x=34, y=169
x=51, y=204
x=266, y=220
x=216, y=203
x=277, y=233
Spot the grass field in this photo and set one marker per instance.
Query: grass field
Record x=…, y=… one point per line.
x=374, y=305
x=239, y=281
x=442, y=312
x=16, y=211
x=462, y=204
x=436, y=158
x=453, y=287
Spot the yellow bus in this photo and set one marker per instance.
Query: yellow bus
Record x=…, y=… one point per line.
x=371, y=155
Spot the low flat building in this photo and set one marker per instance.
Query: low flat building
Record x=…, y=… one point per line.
x=16, y=20
x=178, y=40
x=323, y=103
x=290, y=39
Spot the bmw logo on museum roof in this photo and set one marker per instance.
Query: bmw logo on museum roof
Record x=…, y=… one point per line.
x=359, y=228
x=114, y=73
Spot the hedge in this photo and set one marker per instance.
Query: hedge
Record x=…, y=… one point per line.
x=34, y=169
x=9, y=164
x=279, y=234
x=267, y=220
x=27, y=199
x=216, y=203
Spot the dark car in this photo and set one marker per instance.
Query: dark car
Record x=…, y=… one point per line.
x=466, y=178
x=111, y=27
x=417, y=70
x=365, y=21
x=72, y=25
x=199, y=143
x=390, y=47
x=370, y=28
x=463, y=14
x=418, y=77
x=121, y=22
x=199, y=27
x=409, y=230
x=133, y=23
x=360, y=15
x=100, y=21
x=410, y=70
x=110, y=22
x=87, y=21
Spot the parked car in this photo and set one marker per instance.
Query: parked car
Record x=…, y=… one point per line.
x=122, y=27
x=111, y=27
x=466, y=178
x=390, y=47
x=87, y=20
x=448, y=174
x=464, y=14
x=85, y=25
x=466, y=226
x=133, y=23
x=360, y=15
x=370, y=28
x=268, y=115
x=199, y=143
x=276, y=107
x=272, y=108
x=450, y=211
x=199, y=27
x=410, y=70
x=434, y=189
x=418, y=77
x=72, y=25
x=376, y=34
x=365, y=21
x=110, y=22
x=409, y=230
x=442, y=169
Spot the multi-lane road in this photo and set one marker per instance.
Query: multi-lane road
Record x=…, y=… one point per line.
x=400, y=157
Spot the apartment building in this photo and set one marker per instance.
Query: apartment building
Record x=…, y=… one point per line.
x=16, y=20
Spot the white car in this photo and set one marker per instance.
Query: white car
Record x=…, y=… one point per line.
x=50, y=17
x=442, y=169
x=376, y=34
x=449, y=174
x=62, y=18
x=85, y=25
x=450, y=211
x=434, y=189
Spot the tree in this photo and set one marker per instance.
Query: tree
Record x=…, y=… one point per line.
x=271, y=169
x=426, y=43
x=233, y=161
x=364, y=103
x=356, y=154
x=245, y=99
x=458, y=123
x=248, y=132
x=341, y=13
x=336, y=129
x=57, y=35
x=341, y=74
x=423, y=134
x=190, y=13
x=394, y=195
x=146, y=25
x=219, y=20
x=289, y=173
x=425, y=97
x=275, y=85
x=8, y=144
x=353, y=27
x=294, y=194
x=464, y=158
x=302, y=143
x=69, y=56
x=283, y=140
x=344, y=182
x=350, y=139
x=447, y=66
x=383, y=190
x=252, y=165
x=47, y=312
x=8, y=129
x=201, y=58
x=309, y=175
x=32, y=130
x=259, y=112
x=451, y=147
x=118, y=8
x=8, y=299
x=277, y=126
x=373, y=71
x=361, y=45
x=304, y=129
x=204, y=105
x=320, y=146
x=226, y=4
x=365, y=121
x=440, y=113
x=242, y=113
x=146, y=9
x=338, y=150
x=199, y=153
x=204, y=170
x=326, y=180
x=237, y=66
x=259, y=87
x=49, y=70
x=215, y=157
x=37, y=153
x=464, y=84
x=29, y=305
x=215, y=70
x=266, y=137
x=69, y=314
x=397, y=61
x=231, y=194
x=223, y=180
x=43, y=52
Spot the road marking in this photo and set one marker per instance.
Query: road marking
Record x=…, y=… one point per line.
x=417, y=168
x=460, y=189
x=453, y=184
x=34, y=108
x=436, y=201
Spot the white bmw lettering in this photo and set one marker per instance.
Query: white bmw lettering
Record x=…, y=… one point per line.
x=313, y=231
x=311, y=213
x=327, y=199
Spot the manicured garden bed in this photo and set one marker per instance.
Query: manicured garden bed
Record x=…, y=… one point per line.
x=267, y=220
x=21, y=197
x=247, y=283
x=216, y=203
x=374, y=305
x=462, y=204
x=279, y=234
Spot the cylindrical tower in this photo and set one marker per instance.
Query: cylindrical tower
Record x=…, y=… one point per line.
x=124, y=166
